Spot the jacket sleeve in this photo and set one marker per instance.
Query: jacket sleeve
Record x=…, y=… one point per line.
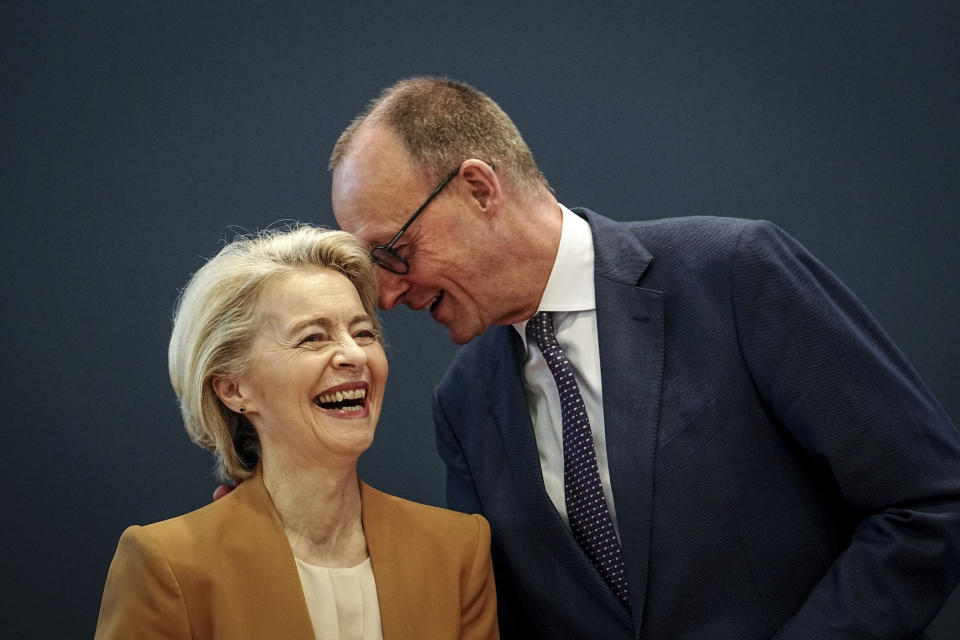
x=478, y=607
x=461, y=492
x=142, y=598
x=860, y=412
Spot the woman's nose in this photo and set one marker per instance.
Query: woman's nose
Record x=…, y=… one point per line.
x=349, y=353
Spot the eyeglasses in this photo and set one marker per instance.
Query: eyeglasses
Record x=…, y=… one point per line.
x=384, y=255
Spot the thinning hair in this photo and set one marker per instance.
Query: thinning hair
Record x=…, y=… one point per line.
x=443, y=122
x=217, y=316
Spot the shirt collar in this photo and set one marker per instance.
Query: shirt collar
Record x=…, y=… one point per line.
x=570, y=286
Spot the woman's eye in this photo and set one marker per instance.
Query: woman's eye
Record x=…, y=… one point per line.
x=314, y=337
x=365, y=336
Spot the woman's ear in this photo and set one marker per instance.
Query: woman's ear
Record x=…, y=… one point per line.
x=484, y=184
x=228, y=390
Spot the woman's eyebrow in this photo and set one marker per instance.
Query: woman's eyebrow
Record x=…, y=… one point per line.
x=325, y=322
x=308, y=322
x=360, y=318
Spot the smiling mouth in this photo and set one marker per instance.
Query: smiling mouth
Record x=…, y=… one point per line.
x=436, y=302
x=345, y=400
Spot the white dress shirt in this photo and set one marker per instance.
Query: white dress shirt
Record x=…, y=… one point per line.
x=570, y=296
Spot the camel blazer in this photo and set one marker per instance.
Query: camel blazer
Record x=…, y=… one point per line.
x=226, y=571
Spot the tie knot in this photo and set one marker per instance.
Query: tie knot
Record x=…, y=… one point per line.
x=540, y=329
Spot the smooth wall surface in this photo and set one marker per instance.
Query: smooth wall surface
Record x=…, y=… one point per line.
x=137, y=136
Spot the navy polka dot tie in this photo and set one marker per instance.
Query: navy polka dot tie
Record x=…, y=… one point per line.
x=586, y=506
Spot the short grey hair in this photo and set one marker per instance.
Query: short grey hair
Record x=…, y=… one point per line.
x=216, y=318
x=443, y=122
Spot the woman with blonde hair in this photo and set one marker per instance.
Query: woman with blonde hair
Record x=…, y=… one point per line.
x=277, y=361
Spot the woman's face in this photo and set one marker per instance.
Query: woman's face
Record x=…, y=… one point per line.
x=315, y=385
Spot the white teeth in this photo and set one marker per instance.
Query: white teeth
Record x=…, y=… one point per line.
x=340, y=396
x=429, y=304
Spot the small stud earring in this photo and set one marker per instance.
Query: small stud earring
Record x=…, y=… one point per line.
x=243, y=409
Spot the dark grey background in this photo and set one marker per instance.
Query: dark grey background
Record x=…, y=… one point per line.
x=136, y=135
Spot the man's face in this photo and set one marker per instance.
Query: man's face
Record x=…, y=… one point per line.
x=450, y=247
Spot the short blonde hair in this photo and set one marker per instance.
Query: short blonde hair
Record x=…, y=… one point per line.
x=441, y=123
x=216, y=318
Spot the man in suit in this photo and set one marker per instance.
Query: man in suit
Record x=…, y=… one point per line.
x=764, y=461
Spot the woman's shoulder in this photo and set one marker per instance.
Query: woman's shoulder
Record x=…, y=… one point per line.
x=202, y=528
x=421, y=518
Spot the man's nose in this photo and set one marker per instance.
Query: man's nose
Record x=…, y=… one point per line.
x=392, y=288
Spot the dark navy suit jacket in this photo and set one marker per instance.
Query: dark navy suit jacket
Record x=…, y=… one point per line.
x=778, y=467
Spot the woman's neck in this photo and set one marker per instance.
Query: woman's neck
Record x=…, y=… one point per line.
x=320, y=510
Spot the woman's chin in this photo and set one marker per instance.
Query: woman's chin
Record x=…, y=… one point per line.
x=349, y=442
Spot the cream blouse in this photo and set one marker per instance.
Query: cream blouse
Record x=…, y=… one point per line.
x=342, y=603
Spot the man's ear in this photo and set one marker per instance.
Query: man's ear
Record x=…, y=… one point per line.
x=228, y=390
x=484, y=184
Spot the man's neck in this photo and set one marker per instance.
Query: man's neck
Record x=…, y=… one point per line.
x=538, y=229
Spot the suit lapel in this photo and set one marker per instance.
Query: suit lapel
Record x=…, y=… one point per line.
x=509, y=408
x=510, y=412
x=630, y=327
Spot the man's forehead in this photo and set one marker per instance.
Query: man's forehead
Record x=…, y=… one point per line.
x=368, y=228
x=360, y=208
x=375, y=153
x=357, y=202
x=373, y=186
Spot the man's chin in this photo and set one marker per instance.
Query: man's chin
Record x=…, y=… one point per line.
x=460, y=328
x=461, y=335
x=461, y=340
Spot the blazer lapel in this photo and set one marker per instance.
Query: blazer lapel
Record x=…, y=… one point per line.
x=630, y=326
x=386, y=555
x=259, y=552
x=509, y=408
